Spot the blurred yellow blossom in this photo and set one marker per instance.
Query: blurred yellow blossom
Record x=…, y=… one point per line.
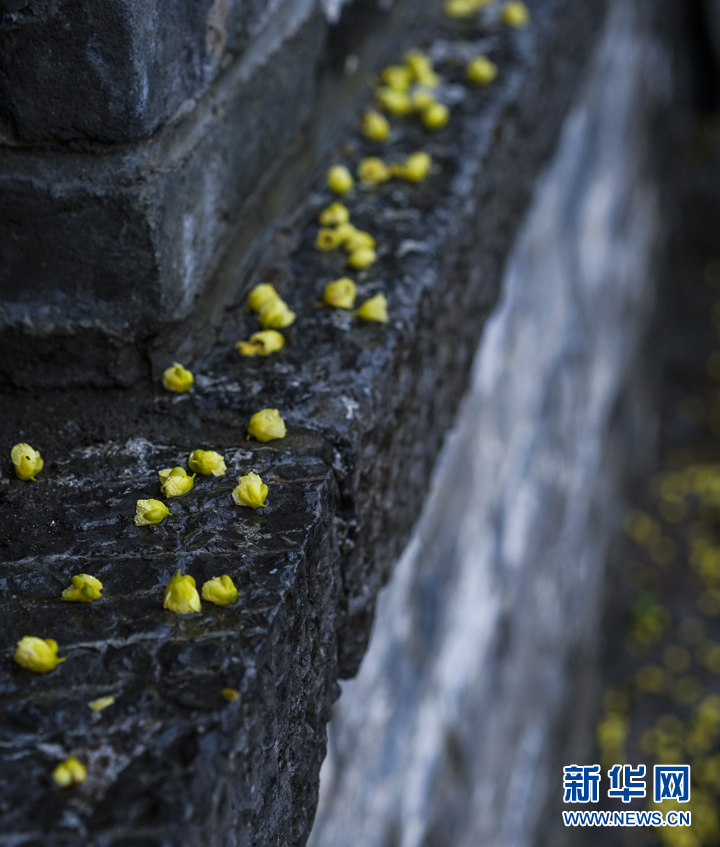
x=70, y=772
x=101, y=703
x=28, y=462
x=334, y=214
x=375, y=127
x=261, y=343
x=260, y=295
x=374, y=309
x=232, y=695
x=327, y=239
x=177, y=378
x=481, y=71
x=37, y=654
x=220, y=590
x=395, y=102
x=373, y=171
x=84, y=588
x=150, y=512
x=415, y=167
x=515, y=14
x=339, y=179
x=181, y=595
x=362, y=258
x=207, y=462
x=397, y=77
x=175, y=481
x=340, y=293
x=266, y=425
x=275, y=314
x=250, y=491
x=435, y=116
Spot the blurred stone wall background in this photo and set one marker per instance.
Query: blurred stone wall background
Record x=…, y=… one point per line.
x=478, y=682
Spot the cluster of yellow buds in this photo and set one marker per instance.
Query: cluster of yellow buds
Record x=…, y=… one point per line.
x=374, y=309
x=340, y=293
x=37, y=654
x=207, y=462
x=336, y=232
x=481, y=71
x=175, y=481
x=405, y=89
x=266, y=425
x=178, y=379
x=70, y=772
x=273, y=312
x=27, y=462
x=250, y=491
x=84, y=589
x=182, y=598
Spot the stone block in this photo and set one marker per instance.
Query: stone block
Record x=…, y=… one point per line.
x=114, y=71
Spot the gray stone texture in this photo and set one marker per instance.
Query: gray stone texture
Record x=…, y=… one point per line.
x=104, y=247
x=477, y=683
x=114, y=70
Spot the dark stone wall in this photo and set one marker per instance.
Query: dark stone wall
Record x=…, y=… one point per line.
x=366, y=406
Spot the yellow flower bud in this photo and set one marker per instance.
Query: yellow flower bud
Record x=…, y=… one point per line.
x=421, y=99
x=515, y=14
x=435, y=116
x=275, y=314
x=395, y=102
x=397, y=77
x=250, y=491
x=327, y=239
x=266, y=425
x=415, y=168
x=84, y=589
x=220, y=590
x=421, y=68
x=460, y=8
x=375, y=127
x=340, y=293
x=339, y=179
x=207, y=462
x=232, y=695
x=149, y=512
x=374, y=309
x=181, y=595
x=28, y=462
x=177, y=379
x=175, y=481
x=70, y=772
x=358, y=240
x=334, y=214
x=261, y=343
x=259, y=296
x=362, y=258
x=100, y=704
x=344, y=232
x=37, y=654
x=373, y=171
x=481, y=71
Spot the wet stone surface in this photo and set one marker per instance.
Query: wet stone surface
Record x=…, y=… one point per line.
x=366, y=406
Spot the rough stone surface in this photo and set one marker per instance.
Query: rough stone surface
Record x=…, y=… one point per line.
x=114, y=71
x=105, y=246
x=367, y=406
x=476, y=685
